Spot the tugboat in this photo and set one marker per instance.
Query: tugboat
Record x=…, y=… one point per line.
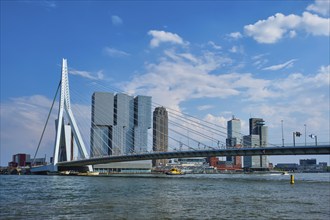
x=174, y=171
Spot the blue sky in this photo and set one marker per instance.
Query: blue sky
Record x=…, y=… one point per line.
x=210, y=59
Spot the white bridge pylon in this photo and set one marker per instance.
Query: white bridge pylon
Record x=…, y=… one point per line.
x=63, y=141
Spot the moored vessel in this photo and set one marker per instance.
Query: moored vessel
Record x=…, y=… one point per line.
x=175, y=171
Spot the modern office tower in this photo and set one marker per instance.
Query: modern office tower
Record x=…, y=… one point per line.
x=234, y=136
x=258, y=138
x=234, y=139
x=160, y=133
x=251, y=141
x=122, y=136
x=142, y=122
x=102, y=123
x=120, y=124
x=257, y=127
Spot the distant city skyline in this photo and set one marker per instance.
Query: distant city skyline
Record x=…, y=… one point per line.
x=209, y=59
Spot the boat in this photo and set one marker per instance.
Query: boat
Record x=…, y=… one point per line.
x=285, y=173
x=174, y=171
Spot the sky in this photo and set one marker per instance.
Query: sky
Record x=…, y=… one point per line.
x=209, y=59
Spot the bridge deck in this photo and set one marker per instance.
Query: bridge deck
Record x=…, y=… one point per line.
x=305, y=150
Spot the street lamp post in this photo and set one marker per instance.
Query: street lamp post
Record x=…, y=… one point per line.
x=313, y=136
x=305, y=134
x=298, y=134
x=282, y=133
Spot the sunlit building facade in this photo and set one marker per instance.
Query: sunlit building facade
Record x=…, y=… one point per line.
x=102, y=123
x=258, y=138
x=120, y=123
x=234, y=139
x=142, y=122
x=160, y=133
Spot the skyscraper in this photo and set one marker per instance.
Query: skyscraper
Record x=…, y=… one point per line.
x=102, y=123
x=160, y=133
x=142, y=122
x=234, y=139
x=257, y=127
x=251, y=141
x=234, y=136
x=258, y=138
x=120, y=123
x=123, y=139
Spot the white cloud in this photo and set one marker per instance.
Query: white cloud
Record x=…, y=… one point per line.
x=25, y=118
x=292, y=34
x=180, y=79
x=276, y=27
x=303, y=87
x=299, y=83
x=115, y=53
x=49, y=4
x=320, y=6
x=287, y=64
x=302, y=99
x=159, y=37
x=116, y=20
x=259, y=60
x=316, y=25
x=237, y=49
x=272, y=29
x=204, y=107
x=94, y=76
x=214, y=45
x=235, y=35
x=218, y=120
x=44, y=3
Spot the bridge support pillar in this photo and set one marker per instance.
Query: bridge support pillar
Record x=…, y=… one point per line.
x=65, y=107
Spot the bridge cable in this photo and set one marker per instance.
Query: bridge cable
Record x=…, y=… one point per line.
x=42, y=134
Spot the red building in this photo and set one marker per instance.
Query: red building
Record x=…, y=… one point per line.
x=22, y=160
x=236, y=165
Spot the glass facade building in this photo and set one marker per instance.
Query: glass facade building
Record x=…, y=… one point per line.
x=142, y=122
x=123, y=138
x=120, y=123
x=160, y=133
x=102, y=123
x=258, y=138
x=234, y=136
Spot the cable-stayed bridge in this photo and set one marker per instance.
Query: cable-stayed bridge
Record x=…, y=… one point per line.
x=186, y=136
x=302, y=150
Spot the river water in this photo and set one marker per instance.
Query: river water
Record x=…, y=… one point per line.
x=199, y=196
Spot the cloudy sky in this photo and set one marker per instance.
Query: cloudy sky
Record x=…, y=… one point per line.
x=210, y=59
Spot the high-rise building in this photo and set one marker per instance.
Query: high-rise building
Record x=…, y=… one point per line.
x=257, y=127
x=258, y=138
x=142, y=122
x=160, y=133
x=234, y=136
x=123, y=139
x=252, y=161
x=234, y=139
x=120, y=123
x=102, y=123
